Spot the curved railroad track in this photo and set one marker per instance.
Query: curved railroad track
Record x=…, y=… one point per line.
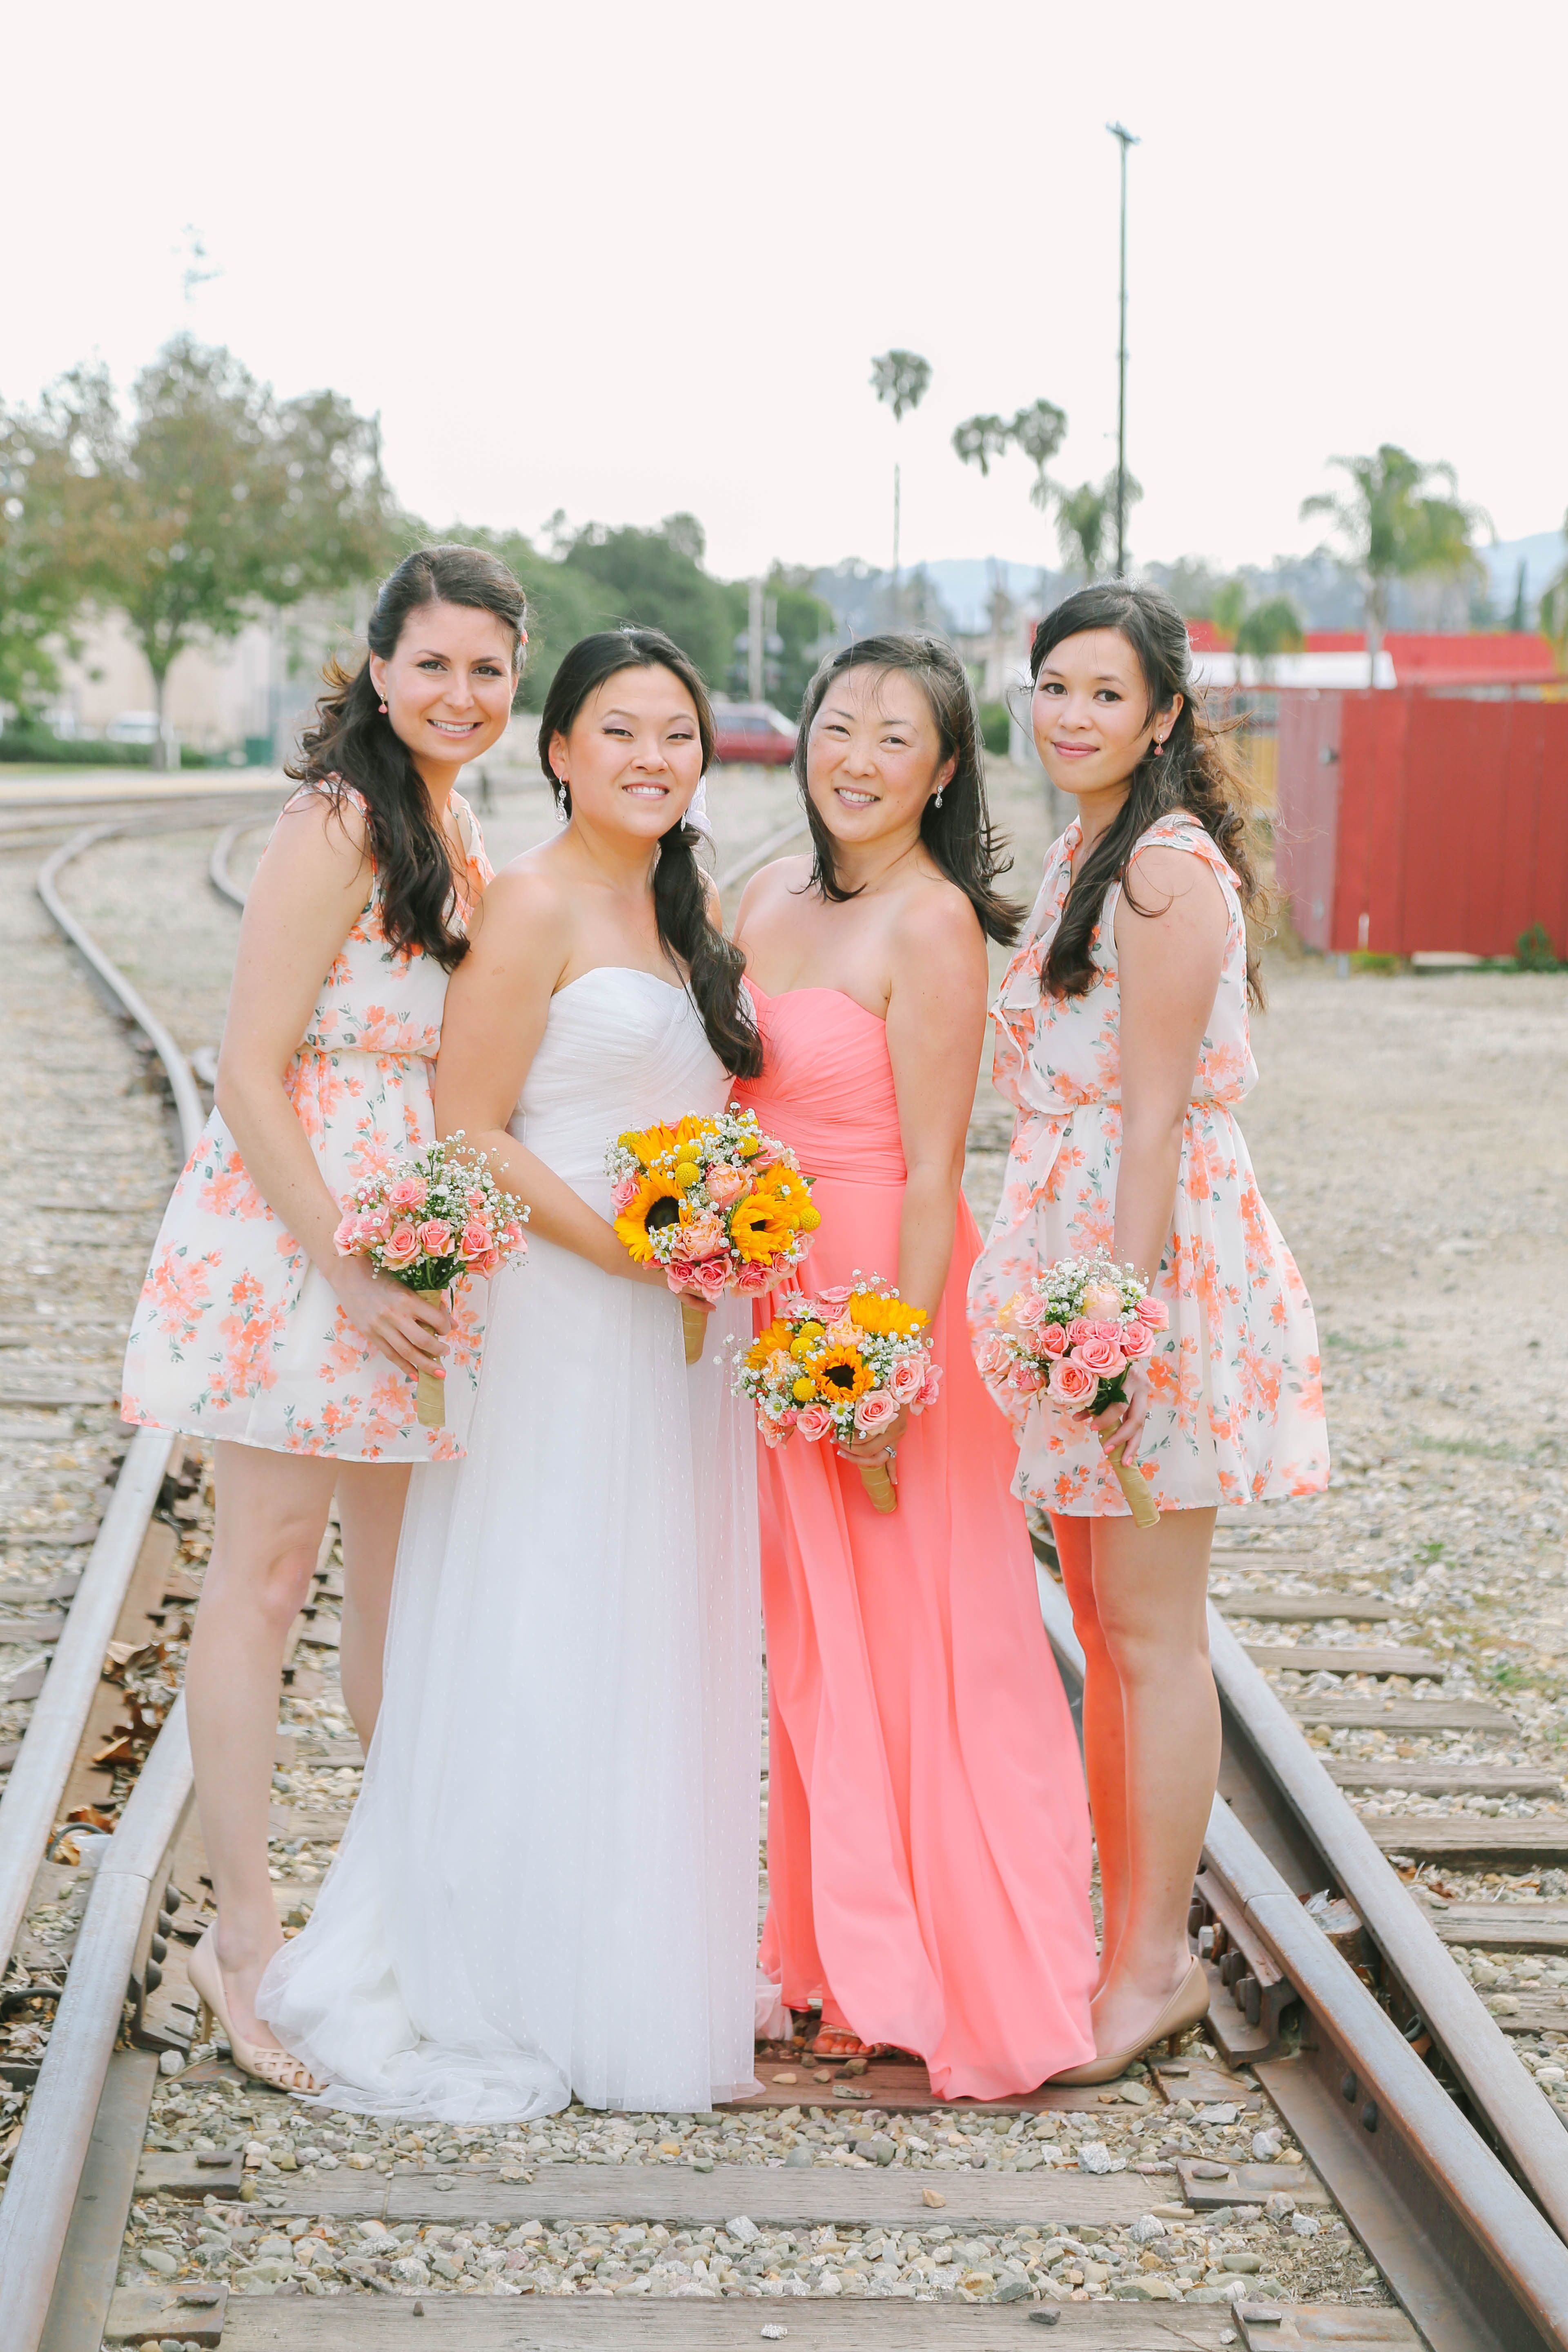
x=1413, y=2116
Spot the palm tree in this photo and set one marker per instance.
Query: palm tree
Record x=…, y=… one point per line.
x=1393, y=526
x=1084, y=519
x=902, y=379
x=1038, y=431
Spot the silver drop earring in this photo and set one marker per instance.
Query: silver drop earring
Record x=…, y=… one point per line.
x=940, y=790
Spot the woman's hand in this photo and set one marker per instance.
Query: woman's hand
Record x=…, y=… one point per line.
x=880, y=1446
x=400, y=1325
x=1120, y=1426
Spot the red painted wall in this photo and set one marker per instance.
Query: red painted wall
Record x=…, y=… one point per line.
x=1411, y=822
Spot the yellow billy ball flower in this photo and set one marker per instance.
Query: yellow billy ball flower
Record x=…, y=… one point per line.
x=686, y=1174
x=809, y=1220
x=804, y=1390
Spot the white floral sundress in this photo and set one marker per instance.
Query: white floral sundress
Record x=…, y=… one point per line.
x=237, y=1334
x=1235, y=1389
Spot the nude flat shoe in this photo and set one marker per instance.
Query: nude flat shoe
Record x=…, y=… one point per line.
x=1187, y=2007
x=278, y=2069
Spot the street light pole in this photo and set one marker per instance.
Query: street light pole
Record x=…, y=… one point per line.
x=1124, y=139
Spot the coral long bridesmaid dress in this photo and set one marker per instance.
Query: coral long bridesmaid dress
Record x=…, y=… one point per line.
x=928, y=1830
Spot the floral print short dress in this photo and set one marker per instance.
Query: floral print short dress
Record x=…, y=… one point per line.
x=1235, y=1391
x=237, y=1334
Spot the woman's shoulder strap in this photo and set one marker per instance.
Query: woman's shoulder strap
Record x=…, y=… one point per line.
x=1181, y=830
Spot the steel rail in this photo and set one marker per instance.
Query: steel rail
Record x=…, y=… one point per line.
x=1474, y=2045
x=218, y=875
x=1519, y=2253
x=45, y=2170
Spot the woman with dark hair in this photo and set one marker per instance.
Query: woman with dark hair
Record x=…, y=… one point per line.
x=1121, y=1036
x=928, y=1838
x=549, y=1883
x=252, y=1331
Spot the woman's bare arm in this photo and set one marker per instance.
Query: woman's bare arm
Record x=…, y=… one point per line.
x=311, y=883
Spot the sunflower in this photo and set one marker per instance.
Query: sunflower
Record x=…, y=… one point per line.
x=842, y=1375
x=657, y=1204
x=758, y=1230
x=885, y=1315
x=648, y=1143
x=774, y=1340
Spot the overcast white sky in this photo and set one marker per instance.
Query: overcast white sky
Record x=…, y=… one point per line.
x=622, y=259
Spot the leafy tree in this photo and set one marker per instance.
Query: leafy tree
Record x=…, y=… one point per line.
x=45, y=543
x=1273, y=627
x=1039, y=431
x=1555, y=610
x=1227, y=609
x=1392, y=525
x=564, y=602
x=213, y=498
x=980, y=438
x=1085, y=517
x=902, y=379
x=804, y=628
x=656, y=578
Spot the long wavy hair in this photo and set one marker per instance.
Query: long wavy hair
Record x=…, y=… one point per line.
x=1196, y=770
x=959, y=835
x=351, y=744
x=687, y=932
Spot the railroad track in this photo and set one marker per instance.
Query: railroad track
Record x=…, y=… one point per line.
x=1334, y=2000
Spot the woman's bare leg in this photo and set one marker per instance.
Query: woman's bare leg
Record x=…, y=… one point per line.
x=271, y=1516
x=371, y=1496
x=1104, y=1753
x=1150, y=1595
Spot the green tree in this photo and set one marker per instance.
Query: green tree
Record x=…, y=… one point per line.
x=564, y=602
x=656, y=578
x=1039, y=431
x=804, y=628
x=1555, y=610
x=901, y=380
x=1085, y=518
x=213, y=498
x=46, y=542
x=979, y=439
x=1273, y=627
x=1393, y=525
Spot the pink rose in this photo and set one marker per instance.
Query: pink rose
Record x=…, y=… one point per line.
x=1026, y=1378
x=346, y=1239
x=1031, y=1310
x=1102, y=1300
x=992, y=1358
x=435, y=1237
x=1071, y=1384
x=815, y=1423
x=402, y=1245
x=408, y=1192
x=726, y=1184
x=1099, y=1330
x=928, y=1395
x=907, y=1377
x=1078, y=1330
x=753, y=1278
x=510, y=1237
x=837, y=1297
x=374, y=1228
x=712, y=1277
x=843, y=1332
x=1150, y=1311
x=624, y=1194
x=487, y=1264
x=1102, y=1357
x=1054, y=1339
x=680, y=1274
x=1137, y=1340
x=766, y=1155
x=774, y=1432
x=702, y=1235
x=874, y=1411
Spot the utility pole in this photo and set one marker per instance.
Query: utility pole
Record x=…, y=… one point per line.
x=1124, y=139
x=755, y=645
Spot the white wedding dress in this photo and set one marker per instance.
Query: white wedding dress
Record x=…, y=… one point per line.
x=549, y=1883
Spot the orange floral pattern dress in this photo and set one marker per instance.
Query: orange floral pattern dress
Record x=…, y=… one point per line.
x=1235, y=1389
x=237, y=1334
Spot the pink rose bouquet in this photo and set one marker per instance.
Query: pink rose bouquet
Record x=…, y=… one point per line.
x=720, y=1205
x=843, y=1364
x=1071, y=1337
x=429, y=1223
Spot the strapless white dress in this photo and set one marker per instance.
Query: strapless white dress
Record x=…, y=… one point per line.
x=549, y=1883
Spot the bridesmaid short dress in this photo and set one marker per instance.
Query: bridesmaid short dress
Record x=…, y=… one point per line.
x=928, y=1830
x=237, y=1334
x=1235, y=1389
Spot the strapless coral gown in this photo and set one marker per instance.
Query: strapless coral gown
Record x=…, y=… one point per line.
x=928, y=1830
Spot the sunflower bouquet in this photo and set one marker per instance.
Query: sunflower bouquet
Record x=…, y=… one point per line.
x=843, y=1364
x=716, y=1203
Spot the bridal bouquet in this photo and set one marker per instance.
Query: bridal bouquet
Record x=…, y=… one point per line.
x=843, y=1365
x=720, y=1205
x=427, y=1221
x=1071, y=1336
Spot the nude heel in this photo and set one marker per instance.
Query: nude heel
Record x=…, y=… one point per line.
x=1187, y=2007
x=278, y=2069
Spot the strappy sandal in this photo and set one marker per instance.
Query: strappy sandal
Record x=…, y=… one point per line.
x=278, y=2069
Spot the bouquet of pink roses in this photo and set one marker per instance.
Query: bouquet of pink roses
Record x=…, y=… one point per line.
x=428, y=1222
x=843, y=1364
x=1072, y=1336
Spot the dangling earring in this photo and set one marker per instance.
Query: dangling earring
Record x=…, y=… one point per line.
x=940, y=790
x=382, y=708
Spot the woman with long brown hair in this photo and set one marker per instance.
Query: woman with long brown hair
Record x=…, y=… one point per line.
x=1121, y=1037
x=300, y=1365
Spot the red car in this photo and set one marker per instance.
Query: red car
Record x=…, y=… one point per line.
x=753, y=734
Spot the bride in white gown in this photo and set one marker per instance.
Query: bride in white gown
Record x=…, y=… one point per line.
x=549, y=1884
